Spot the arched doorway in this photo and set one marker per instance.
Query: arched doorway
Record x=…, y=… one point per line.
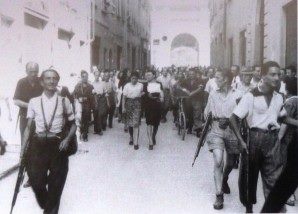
x=185, y=50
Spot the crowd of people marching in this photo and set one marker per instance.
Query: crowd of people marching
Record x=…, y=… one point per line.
x=258, y=103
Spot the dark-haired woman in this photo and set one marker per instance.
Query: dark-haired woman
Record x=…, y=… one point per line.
x=153, y=106
x=132, y=94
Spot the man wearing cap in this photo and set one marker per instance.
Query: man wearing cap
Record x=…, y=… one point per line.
x=83, y=94
x=245, y=81
x=48, y=159
x=261, y=107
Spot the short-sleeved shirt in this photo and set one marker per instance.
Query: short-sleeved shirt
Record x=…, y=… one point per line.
x=133, y=91
x=242, y=89
x=154, y=87
x=25, y=91
x=236, y=80
x=211, y=85
x=100, y=87
x=254, y=107
x=222, y=106
x=165, y=81
x=35, y=112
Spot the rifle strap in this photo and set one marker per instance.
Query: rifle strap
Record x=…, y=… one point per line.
x=48, y=126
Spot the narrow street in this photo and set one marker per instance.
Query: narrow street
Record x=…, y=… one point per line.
x=113, y=178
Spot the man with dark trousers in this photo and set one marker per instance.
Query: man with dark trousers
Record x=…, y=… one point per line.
x=194, y=104
x=27, y=88
x=48, y=159
x=261, y=107
x=83, y=93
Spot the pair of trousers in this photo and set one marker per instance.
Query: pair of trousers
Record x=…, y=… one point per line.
x=100, y=121
x=86, y=118
x=47, y=171
x=111, y=112
x=286, y=184
x=23, y=124
x=264, y=156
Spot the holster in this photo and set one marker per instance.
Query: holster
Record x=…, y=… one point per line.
x=223, y=123
x=48, y=136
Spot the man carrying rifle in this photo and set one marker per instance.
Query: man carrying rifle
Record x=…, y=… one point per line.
x=221, y=103
x=48, y=159
x=261, y=108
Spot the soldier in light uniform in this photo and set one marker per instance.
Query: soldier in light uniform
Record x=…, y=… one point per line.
x=221, y=103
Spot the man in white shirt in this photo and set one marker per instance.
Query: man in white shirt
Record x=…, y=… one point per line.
x=211, y=84
x=256, y=76
x=165, y=81
x=100, y=113
x=235, y=71
x=245, y=81
x=48, y=160
x=261, y=107
x=220, y=138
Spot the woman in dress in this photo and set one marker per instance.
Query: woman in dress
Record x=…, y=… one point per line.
x=132, y=93
x=153, y=106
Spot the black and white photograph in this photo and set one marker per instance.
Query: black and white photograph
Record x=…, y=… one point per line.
x=148, y=106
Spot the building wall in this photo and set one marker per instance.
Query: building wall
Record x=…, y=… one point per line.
x=172, y=18
x=229, y=18
x=122, y=24
x=51, y=33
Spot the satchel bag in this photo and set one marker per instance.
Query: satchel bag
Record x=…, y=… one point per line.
x=73, y=143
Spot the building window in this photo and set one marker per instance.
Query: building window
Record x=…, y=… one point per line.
x=6, y=21
x=34, y=21
x=65, y=35
x=231, y=52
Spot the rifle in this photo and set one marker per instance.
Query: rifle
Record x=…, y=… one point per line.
x=21, y=174
x=203, y=136
x=244, y=171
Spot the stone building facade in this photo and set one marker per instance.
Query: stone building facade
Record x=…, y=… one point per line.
x=249, y=32
x=71, y=36
x=121, y=34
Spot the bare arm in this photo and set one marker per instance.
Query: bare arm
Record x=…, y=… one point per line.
x=64, y=144
x=234, y=125
x=123, y=104
x=8, y=108
x=290, y=121
x=20, y=103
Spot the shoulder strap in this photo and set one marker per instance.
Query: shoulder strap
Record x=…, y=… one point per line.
x=48, y=127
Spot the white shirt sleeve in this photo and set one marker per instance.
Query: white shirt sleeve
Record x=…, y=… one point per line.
x=207, y=87
x=208, y=107
x=125, y=90
x=242, y=109
x=30, y=111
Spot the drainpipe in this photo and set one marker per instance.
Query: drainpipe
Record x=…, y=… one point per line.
x=262, y=31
